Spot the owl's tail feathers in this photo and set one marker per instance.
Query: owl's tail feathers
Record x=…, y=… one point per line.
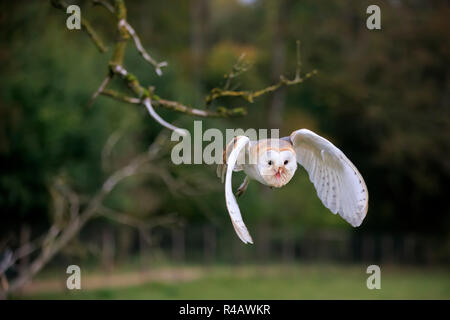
x=221, y=171
x=242, y=232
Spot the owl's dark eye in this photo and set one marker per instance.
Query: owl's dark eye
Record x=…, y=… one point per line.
x=286, y=162
x=270, y=162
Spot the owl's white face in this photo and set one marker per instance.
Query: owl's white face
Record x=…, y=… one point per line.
x=277, y=167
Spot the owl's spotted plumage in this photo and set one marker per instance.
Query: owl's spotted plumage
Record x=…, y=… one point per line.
x=273, y=162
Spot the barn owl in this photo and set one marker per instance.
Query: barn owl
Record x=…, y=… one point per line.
x=273, y=162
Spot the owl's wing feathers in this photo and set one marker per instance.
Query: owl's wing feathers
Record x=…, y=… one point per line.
x=240, y=147
x=339, y=185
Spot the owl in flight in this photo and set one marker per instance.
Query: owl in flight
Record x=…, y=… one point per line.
x=273, y=162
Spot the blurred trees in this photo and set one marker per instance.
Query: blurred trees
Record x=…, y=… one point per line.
x=381, y=96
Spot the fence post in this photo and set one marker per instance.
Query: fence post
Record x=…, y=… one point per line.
x=367, y=248
x=25, y=235
x=145, y=258
x=108, y=248
x=264, y=239
x=387, y=248
x=237, y=250
x=409, y=249
x=209, y=243
x=288, y=250
x=178, y=244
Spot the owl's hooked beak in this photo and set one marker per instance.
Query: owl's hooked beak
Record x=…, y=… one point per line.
x=279, y=172
x=278, y=177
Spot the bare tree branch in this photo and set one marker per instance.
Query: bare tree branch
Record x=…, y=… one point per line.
x=108, y=147
x=147, y=103
x=250, y=96
x=134, y=85
x=142, y=51
x=58, y=236
x=147, y=97
x=221, y=112
x=45, y=247
x=100, y=89
x=120, y=96
x=238, y=68
x=131, y=221
x=299, y=61
x=136, y=39
x=86, y=26
x=71, y=196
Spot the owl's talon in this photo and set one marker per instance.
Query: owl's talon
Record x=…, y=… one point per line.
x=240, y=191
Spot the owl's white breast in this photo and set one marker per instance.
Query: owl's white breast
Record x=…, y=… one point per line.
x=252, y=172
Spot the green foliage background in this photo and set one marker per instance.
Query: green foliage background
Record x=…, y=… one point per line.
x=381, y=96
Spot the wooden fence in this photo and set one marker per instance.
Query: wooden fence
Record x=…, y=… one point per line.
x=207, y=244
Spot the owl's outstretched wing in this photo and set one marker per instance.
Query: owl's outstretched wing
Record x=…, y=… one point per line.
x=339, y=185
x=238, y=149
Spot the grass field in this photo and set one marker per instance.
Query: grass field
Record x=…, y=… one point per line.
x=251, y=282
